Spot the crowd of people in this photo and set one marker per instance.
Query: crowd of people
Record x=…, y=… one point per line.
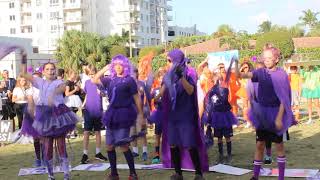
x=188, y=108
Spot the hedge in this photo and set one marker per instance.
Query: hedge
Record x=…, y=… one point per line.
x=310, y=53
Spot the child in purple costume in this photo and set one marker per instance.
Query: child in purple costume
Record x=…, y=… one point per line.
x=270, y=112
x=122, y=111
x=181, y=125
x=53, y=119
x=220, y=117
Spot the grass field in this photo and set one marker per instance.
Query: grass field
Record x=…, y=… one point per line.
x=302, y=152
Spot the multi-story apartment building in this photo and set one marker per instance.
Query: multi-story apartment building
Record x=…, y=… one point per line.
x=177, y=31
x=44, y=21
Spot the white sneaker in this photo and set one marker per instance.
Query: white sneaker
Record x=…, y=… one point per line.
x=247, y=125
x=310, y=121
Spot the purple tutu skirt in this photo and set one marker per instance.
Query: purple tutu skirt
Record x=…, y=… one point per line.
x=27, y=128
x=118, y=118
x=263, y=117
x=222, y=119
x=54, y=121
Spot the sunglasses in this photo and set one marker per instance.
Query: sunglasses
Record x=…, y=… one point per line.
x=221, y=67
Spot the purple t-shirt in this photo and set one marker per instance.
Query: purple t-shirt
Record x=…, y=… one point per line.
x=123, y=87
x=266, y=96
x=186, y=107
x=94, y=101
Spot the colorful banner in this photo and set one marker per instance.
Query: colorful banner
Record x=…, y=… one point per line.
x=5, y=130
x=224, y=57
x=38, y=170
x=296, y=173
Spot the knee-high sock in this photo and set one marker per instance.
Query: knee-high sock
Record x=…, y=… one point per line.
x=196, y=160
x=65, y=167
x=229, y=148
x=220, y=147
x=113, y=162
x=49, y=165
x=130, y=160
x=176, y=159
x=281, y=166
x=37, y=148
x=257, y=167
x=268, y=148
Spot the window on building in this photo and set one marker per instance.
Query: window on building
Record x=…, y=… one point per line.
x=72, y=1
x=141, y=17
x=39, y=15
x=38, y=2
x=29, y=29
x=54, y=2
x=28, y=4
x=148, y=30
x=142, y=29
x=54, y=28
x=12, y=17
x=11, y=5
x=54, y=15
x=12, y=31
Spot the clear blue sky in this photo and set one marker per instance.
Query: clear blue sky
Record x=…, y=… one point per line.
x=240, y=14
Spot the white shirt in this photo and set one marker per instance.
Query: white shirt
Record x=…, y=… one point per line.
x=83, y=78
x=34, y=92
x=21, y=93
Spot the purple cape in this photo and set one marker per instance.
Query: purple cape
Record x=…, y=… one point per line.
x=186, y=161
x=282, y=89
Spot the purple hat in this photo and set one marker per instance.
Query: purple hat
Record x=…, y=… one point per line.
x=177, y=56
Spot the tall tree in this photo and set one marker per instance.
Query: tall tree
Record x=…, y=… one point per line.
x=265, y=27
x=224, y=30
x=309, y=18
x=296, y=31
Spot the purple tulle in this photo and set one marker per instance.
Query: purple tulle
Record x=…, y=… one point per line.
x=27, y=128
x=54, y=121
x=156, y=117
x=118, y=118
x=222, y=119
x=6, y=49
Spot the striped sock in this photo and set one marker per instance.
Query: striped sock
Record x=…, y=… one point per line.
x=256, y=170
x=281, y=166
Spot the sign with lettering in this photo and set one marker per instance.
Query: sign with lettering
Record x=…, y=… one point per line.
x=38, y=170
x=5, y=130
x=296, y=173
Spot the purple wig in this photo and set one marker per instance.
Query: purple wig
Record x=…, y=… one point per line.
x=124, y=62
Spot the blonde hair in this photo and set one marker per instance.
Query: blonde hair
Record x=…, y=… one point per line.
x=27, y=85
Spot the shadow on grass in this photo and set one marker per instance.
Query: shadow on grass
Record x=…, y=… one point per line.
x=302, y=151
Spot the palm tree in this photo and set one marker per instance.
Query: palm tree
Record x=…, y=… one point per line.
x=309, y=18
x=265, y=27
x=296, y=31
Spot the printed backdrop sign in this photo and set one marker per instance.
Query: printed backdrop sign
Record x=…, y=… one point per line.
x=296, y=173
x=225, y=169
x=5, y=130
x=224, y=57
x=37, y=171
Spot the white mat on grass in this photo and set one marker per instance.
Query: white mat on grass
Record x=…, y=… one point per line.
x=225, y=169
x=38, y=170
x=294, y=173
x=92, y=167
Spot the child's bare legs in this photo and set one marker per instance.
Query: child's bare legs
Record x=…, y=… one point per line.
x=310, y=110
x=317, y=104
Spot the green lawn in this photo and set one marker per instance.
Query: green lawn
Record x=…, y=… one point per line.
x=302, y=152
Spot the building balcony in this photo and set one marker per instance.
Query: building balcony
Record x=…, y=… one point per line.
x=73, y=20
x=170, y=18
x=169, y=8
x=73, y=6
x=25, y=9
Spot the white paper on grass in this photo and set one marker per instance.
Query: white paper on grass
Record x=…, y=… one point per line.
x=296, y=173
x=225, y=169
x=38, y=170
x=92, y=167
x=125, y=166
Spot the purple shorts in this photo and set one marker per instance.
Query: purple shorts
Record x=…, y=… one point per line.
x=118, y=137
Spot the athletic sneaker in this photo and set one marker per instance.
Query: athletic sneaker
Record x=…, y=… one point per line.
x=84, y=159
x=133, y=177
x=51, y=178
x=228, y=159
x=37, y=163
x=267, y=160
x=155, y=160
x=134, y=154
x=145, y=156
x=220, y=159
x=100, y=157
x=176, y=177
x=112, y=177
x=310, y=121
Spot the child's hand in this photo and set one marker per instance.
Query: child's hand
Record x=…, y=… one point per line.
x=279, y=124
